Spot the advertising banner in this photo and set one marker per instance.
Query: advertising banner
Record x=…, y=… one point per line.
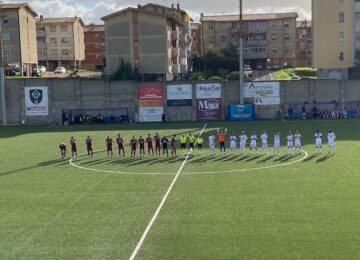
x=150, y=102
x=264, y=101
x=209, y=109
x=204, y=91
x=179, y=95
x=150, y=91
x=241, y=112
x=150, y=114
x=36, y=101
x=261, y=89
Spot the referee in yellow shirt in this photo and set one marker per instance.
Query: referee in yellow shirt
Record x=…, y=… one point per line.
x=200, y=142
x=183, y=140
x=192, y=142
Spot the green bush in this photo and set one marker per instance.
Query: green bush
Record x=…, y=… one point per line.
x=234, y=75
x=215, y=78
x=197, y=76
x=306, y=72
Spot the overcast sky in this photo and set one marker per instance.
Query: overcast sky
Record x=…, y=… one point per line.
x=92, y=10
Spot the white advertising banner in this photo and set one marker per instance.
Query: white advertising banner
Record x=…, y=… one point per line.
x=204, y=91
x=150, y=114
x=177, y=92
x=264, y=101
x=261, y=89
x=36, y=101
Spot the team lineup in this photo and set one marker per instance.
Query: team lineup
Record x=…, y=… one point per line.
x=293, y=144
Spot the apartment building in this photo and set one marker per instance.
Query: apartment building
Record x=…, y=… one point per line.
x=269, y=39
x=196, y=39
x=94, y=46
x=303, y=44
x=154, y=39
x=336, y=38
x=18, y=31
x=60, y=42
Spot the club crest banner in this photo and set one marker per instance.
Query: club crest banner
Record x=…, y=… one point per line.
x=36, y=101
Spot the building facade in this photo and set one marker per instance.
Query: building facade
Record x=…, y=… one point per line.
x=60, y=42
x=269, y=39
x=303, y=44
x=18, y=31
x=94, y=47
x=154, y=39
x=196, y=39
x=336, y=37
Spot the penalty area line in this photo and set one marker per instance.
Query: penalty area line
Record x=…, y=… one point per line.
x=154, y=217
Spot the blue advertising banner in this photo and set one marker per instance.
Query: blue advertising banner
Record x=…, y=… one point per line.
x=241, y=112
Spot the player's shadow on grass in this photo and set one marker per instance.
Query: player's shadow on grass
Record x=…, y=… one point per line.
x=200, y=160
x=159, y=160
x=324, y=158
x=243, y=157
x=269, y=157
x=231, y=158
x=253, y=158
x=281, y=158
x=313, y=156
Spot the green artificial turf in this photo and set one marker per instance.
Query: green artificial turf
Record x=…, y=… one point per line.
x=305, y=210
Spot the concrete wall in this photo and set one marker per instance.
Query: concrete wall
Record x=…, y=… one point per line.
x=90, y=94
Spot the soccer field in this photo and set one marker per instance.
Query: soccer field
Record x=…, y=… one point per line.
x=232, y=206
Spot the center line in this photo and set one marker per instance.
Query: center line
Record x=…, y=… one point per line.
x=154, y=217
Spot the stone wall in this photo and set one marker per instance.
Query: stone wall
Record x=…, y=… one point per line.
x=92, y=94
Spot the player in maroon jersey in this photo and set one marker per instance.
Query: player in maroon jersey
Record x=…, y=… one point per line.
x=62, y=147
x=173, y=146
x=133, y=144
x=109, y=143
x=149, y=142
x=157, y=144
x=120, y=143
x=89, y=147
x=142, y=146
x=73, y=147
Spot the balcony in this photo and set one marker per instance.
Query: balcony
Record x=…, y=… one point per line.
x=256, y=42
x=234, y=30
x=175, y=52
x=255, y=55
x=175, y=35
x=41, y=45
x=176, y=68
x=40, y=33
x=257, y=29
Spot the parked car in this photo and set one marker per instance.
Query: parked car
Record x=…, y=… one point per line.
x=275, y=66
x=60, y=70
x=42, y=69
x=35, y=72
x=15, y=66
x=248, y=72
x=295, y=77
x=10, y=72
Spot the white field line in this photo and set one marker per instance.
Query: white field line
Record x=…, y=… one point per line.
x=154, y=217
x=189, y=173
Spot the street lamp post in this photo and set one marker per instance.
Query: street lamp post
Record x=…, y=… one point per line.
x=2, y=72
x=241, y=55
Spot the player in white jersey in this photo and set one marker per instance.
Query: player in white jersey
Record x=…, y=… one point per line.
x=277, y=143
x=331, y=141
x=212, y=144
x=290, y=142
x=253, y=139
x=264, y=142
x=297, y=140
x=233, y=143
x=318, y=141
x=243, y=138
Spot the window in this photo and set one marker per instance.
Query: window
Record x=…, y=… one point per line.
x=53, y=41
x=98, y=56
x=286, y=36
x=65, y=52
x=54, y=53
x=341, y=36
x=41, y=51
x=223, y=38
x=274, y=50
x=211, y=27
x=274, y=36
x=341, y=17
x=64, y=40
x=96, y=35
x=341, y=56
x=135, y=24
x=64, y=28
x=211, y=39
x=52, y=28
x=6, y=53
x=5, y=19
x=97, y=45
x=5, y=36
x=286, y=24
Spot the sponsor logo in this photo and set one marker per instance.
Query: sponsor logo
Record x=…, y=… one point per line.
x=36, y=96
x=209, y=88
x=209, y=105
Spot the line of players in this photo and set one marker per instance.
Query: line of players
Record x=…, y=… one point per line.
x=293, y=143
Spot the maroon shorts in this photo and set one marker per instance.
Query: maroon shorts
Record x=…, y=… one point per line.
x=109, y=148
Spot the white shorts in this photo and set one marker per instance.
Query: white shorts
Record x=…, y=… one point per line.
x=232, y=145
x=332, y=143
x=290, y=144
x=212, y=146
x=277, y=145
x=298, y=144
x=242, y=145
x=252, y=144
x=264, y=145
x=318, y=143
